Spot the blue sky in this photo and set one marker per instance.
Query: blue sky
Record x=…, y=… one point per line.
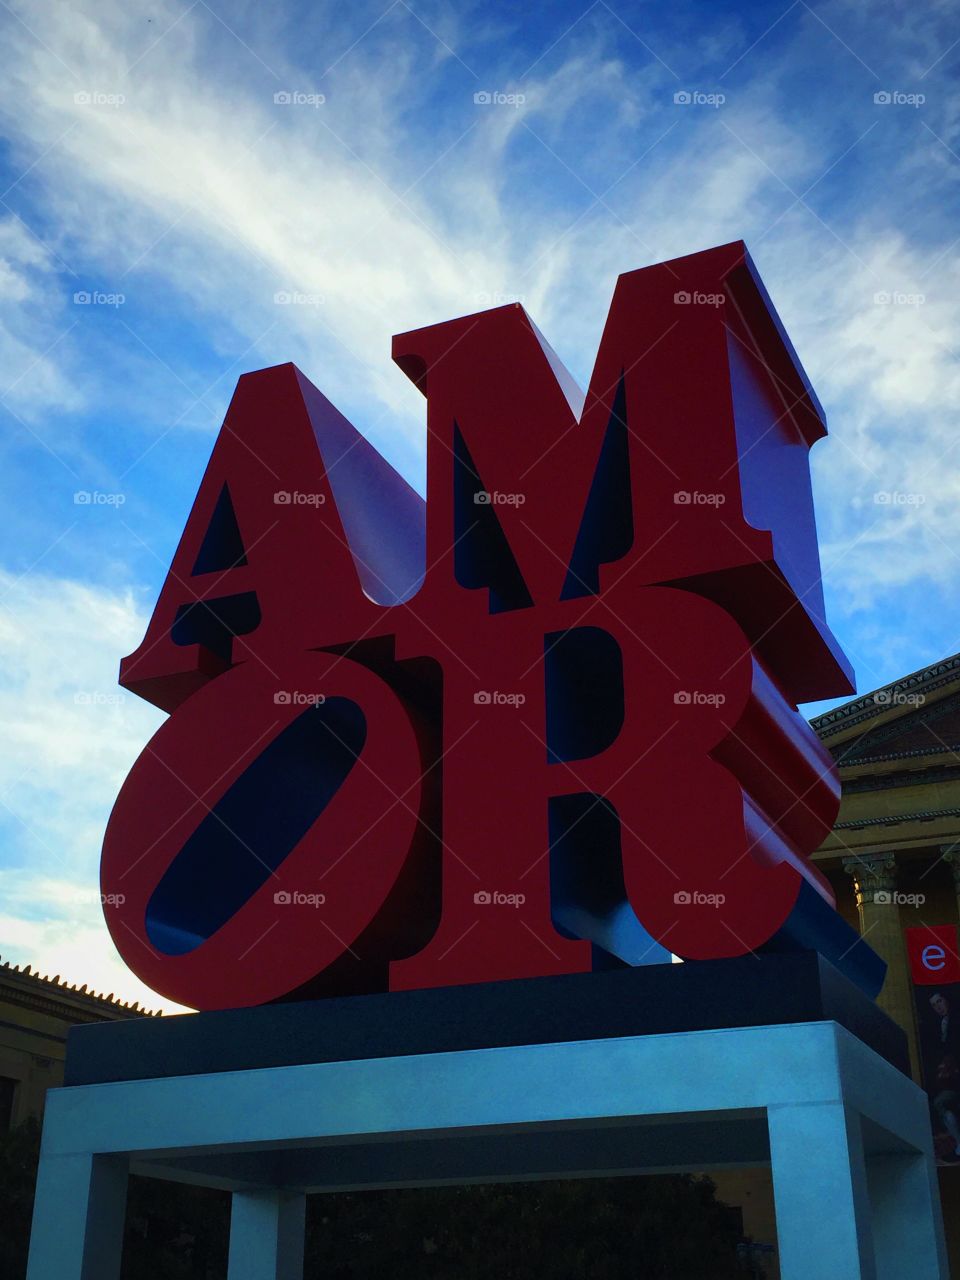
x=145, y=163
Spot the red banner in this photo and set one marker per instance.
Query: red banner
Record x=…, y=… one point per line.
x=934, y=954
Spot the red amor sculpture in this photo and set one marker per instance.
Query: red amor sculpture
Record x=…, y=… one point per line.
x=546, y=723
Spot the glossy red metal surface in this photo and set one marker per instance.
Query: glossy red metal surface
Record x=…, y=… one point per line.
x=553, y=723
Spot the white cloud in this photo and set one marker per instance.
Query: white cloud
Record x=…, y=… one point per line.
x=72, y=943
x=199, y=183
x=70, y=736
x=199, y=190
x=31, y=324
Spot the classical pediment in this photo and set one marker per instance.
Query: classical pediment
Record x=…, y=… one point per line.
x=914, y=717
x=925, y=730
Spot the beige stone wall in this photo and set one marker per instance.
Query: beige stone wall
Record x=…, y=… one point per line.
x=32, y=1050
x=35, y=1016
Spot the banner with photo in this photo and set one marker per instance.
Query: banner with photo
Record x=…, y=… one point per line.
x=934, y=954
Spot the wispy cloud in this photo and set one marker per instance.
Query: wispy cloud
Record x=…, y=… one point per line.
x=458, y=157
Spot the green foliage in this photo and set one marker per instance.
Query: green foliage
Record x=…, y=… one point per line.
x=19, y=1153
x=175, y=1232
x=662, y=1228
x=651, y=1228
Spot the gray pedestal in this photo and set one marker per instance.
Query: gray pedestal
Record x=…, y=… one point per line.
x=846, y=1134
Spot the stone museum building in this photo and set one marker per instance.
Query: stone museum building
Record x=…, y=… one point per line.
x=35, y=1015
x=893, y=859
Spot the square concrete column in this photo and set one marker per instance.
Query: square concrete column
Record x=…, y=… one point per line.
x=821, y=1194
x=267, y=1235
x=904, y=1196
x=78, y=1216
x=847, y=1214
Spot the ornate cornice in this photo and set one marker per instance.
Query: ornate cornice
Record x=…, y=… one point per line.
x=922, y=716
x=61, y=1000
x=894, y=819
x=899, y=755
x=51, y=1007
x=902, y=778
x=866, y=707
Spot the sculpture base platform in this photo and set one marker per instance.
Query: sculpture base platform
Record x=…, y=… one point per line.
x=844, y=1130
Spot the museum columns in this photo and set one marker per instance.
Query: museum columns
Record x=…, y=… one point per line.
x=875, y=882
